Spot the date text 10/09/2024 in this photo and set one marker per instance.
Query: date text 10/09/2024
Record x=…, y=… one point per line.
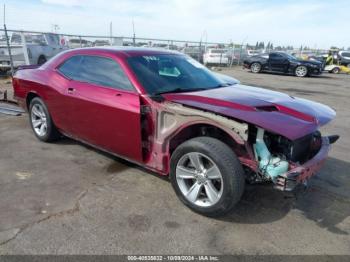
x=173, y=258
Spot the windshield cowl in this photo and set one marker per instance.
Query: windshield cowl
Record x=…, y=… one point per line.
x=186, y=90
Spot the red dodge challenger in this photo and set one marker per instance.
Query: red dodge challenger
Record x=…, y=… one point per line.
x=167, y=112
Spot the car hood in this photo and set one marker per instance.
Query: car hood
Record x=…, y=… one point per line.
x=313, y=62
x=274, y=111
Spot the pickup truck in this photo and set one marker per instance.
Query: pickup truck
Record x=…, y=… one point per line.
x=39, y=48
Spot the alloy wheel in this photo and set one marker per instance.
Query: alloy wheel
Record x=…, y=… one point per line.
x=255, y=68
x=199, y=179
x=301, y=71
x=39, y=120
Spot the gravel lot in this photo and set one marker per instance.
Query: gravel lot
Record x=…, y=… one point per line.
x=67, y=198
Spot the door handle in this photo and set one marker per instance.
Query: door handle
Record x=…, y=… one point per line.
x=71, y=90
x=118, y=94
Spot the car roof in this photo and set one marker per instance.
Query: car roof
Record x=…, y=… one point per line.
x=277, y=52
x=124, y=50
x=121, y=52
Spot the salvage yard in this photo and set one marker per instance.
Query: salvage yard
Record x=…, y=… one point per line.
x=67, y=198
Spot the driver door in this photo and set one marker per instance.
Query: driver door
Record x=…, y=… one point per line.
x=103, y=107
x=278, y=63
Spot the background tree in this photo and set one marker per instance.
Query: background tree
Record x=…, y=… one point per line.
x=268, y=46
x=261, y=45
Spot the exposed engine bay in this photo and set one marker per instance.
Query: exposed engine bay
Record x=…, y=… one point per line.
x=275, y=153
x=265, y=156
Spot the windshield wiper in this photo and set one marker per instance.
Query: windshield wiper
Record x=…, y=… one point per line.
x=221, y=85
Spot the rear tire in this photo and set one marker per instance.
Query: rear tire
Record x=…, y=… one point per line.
x=42, y=60
x=255, y=68
x=216, y=186
x=41, y=121
x=301, y=71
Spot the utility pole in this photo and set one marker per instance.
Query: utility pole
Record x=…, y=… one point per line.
x=111, y=32
x=133, y=30
x=8, y=42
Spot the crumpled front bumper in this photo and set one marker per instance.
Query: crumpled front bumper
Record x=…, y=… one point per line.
x=301, y=174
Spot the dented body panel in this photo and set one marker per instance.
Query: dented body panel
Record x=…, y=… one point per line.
x=171, y=118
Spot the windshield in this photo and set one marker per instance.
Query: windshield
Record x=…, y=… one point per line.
x=173, y=73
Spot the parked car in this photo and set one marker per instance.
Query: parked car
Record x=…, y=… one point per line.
x=79, y=43
x=39, y=47
x=281, y=62
x=215, y=57
x=344, y=58
x=101, y=43
x=195, y=52
x=168, y=113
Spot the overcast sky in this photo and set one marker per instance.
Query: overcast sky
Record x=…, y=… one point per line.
x=315, y=23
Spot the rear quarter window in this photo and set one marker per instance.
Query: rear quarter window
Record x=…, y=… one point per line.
x=70, y=68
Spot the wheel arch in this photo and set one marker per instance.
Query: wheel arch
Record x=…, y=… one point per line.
x=254, y=62
x=30, y=96
x=204, y=129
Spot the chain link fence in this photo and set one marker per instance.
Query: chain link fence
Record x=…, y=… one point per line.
x=19, y=47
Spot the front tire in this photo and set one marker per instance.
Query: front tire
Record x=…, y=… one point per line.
x=301, y=71
x=207, y=176
x=41, y=121
x=255, y=68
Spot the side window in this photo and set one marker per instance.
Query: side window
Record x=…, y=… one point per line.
x=275, y=56
x=103, y=71
x=53, y=39
x=96, y=70
x=71, y=67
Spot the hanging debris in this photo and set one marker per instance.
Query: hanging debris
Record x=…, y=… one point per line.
x=9, y=107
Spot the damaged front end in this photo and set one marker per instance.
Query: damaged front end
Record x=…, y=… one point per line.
x=285, y=162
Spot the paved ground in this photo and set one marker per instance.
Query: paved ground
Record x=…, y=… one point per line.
x=66, y=198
